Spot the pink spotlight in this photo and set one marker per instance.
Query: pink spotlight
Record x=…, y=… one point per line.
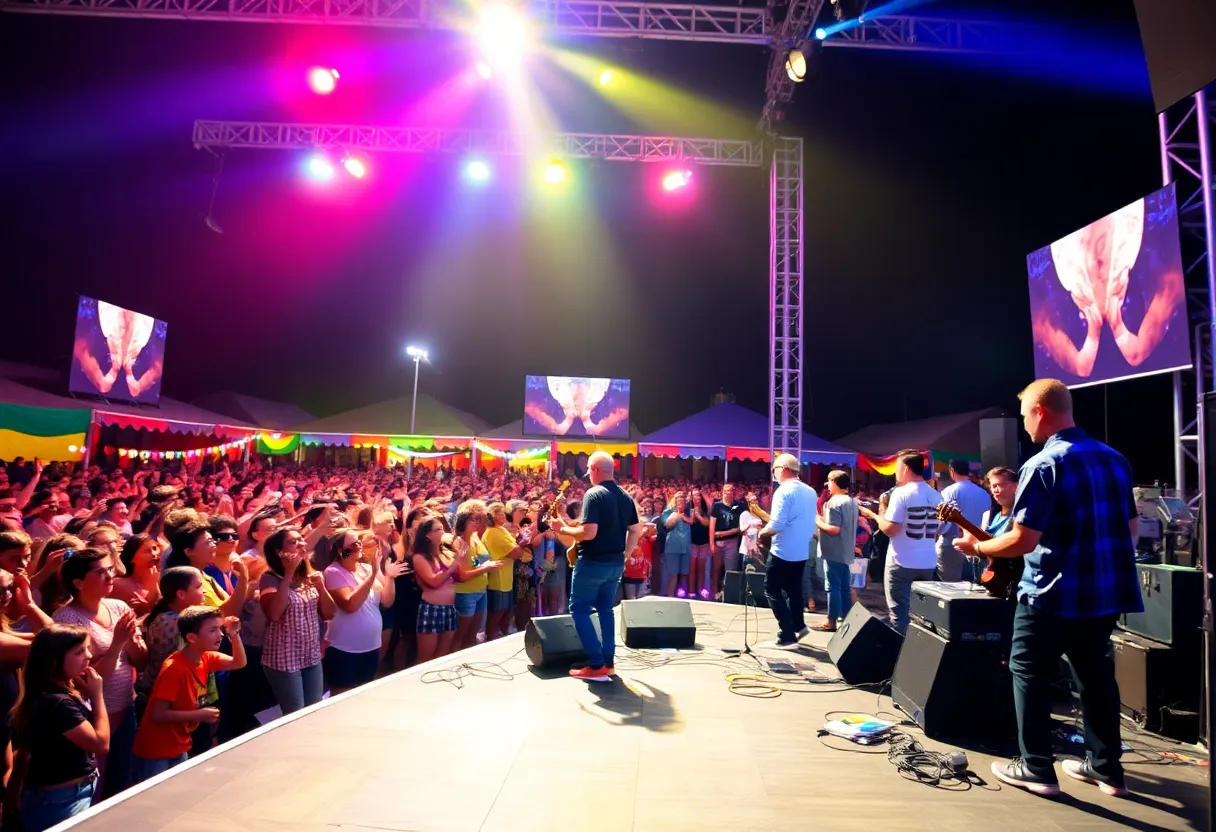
x=484, y=70
x=319, y=168
x=356, y=166
x=676, y=179
x=322, y=80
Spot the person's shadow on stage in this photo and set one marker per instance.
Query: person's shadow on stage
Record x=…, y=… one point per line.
x=635, y=704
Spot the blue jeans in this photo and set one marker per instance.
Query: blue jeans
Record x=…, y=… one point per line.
x=42, y=809
x=593, y=587
x=898, y=582
x=120, y=760
x=837, y=580
x=147, y=769
x=297, y=690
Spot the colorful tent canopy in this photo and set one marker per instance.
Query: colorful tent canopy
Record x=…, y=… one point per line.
x=510, y=437
x=41, y=432
x=728, y=431
x=952, y=435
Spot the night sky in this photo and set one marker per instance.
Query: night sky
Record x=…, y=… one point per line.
x=929, y=178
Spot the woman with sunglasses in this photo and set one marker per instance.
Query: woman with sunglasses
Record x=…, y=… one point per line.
x=117, y=648
x=295, y=599
x=192, y=545
x=438, y=569
x=139, y=585
x=226, y=534
x=358, y=588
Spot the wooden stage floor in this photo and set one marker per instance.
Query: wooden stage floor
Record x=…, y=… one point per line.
x=664, y=748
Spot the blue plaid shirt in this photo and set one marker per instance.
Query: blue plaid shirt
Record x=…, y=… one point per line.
x=1078, y=493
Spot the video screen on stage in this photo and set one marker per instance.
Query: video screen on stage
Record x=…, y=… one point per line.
x=1108, y=302
x=575, y=406
x=118, y=354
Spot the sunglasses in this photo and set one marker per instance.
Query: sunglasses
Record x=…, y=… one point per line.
x=228, y=536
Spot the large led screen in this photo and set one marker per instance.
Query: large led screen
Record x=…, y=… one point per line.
x=1108, y=302
x=118, y=354
x=572, y=406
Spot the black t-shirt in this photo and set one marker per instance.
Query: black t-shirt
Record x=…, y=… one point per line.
x=700, y=534
x=55, y=759
x=727, y=515
x=613, y=512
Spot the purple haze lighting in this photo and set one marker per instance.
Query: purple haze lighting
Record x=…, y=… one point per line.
x=319, y=168
x=680, y=593
x=322, y=80
x=484, y=70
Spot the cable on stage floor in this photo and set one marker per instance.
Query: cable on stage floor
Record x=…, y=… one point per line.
x=455, y=675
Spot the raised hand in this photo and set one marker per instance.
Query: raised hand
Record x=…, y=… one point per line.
x=231, y=625
x=92, y=683
x=124, y=630
x=394, y=568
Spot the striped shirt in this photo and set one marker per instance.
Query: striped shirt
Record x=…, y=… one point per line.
x=1078, y=493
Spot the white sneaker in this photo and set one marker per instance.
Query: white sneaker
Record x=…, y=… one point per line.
x=803, y=633
x=778, y=644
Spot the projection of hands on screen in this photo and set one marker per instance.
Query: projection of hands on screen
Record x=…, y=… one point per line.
x=126, y=334
x=577, y=397
x=1094, y=266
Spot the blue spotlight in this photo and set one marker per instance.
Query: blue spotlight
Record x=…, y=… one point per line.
x=821, y=33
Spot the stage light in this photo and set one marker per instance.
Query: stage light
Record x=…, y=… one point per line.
x=477, y=171
x=356, y=166
x=821, y=33
x=318, y=167
x=556, y=173
x=606, y=77
x=505, y=36
x=484, y=70
x=676, y=180
x=322, y=79
x=802, y=60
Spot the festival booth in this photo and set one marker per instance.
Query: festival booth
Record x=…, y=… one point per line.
x=507, y=445
x=726, y=440
x=378, y=434
x=953, y=436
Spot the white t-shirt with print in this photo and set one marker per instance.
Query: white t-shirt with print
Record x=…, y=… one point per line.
x=914, y=507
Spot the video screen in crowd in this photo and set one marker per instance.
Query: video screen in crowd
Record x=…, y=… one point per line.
x=118, y=354
x=1108, y=302
x=573, y=406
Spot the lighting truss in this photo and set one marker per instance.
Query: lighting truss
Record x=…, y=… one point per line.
x=1186, y=160
x=783, y=156
x=921, y=34
x=778, y=87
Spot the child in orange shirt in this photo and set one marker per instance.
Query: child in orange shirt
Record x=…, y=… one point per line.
x=174, y=712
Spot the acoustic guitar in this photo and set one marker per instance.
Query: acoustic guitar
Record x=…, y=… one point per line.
x=1001, y=576
x=549, y=517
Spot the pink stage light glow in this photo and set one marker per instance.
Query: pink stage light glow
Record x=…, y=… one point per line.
x=484, y=70
x=680, y=593
x=676, y=180
x=322, y=80
x=356, y=166
x=319, y=168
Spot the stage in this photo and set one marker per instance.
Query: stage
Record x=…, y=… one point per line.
x=666, y=747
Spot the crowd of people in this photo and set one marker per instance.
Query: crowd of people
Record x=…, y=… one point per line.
x=208, y=597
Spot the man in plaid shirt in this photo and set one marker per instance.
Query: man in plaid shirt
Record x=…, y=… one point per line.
x=1074, y=521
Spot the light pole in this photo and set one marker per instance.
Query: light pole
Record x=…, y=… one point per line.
x=419, y=355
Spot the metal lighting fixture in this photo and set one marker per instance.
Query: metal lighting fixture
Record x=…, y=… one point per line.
x=800, y=61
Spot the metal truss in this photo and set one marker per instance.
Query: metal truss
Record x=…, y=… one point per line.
x=920, y=34
x=778, y=87
x=785, y=296
x=1186, y=159
x=609, y=147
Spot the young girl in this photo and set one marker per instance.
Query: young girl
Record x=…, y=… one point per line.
x=437, y=570
x=57, y=733
x=180, y=587
x=139, y=584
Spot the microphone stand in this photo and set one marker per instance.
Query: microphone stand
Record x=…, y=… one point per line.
x=748, y=569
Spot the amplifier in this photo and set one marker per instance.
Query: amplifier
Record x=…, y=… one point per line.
x=959, y=612
x=1173, y=605
x=1159, y=685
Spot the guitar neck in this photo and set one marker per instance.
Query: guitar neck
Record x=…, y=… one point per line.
x=975, y=531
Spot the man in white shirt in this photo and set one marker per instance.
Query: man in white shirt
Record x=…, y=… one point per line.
x=972, y=501
x=911, y=524
x=790, y=527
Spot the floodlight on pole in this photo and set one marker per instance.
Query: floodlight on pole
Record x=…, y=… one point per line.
x=419, y=355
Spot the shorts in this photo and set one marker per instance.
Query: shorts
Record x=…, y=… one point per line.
x=433, y=618
x=349, y=670
x=633, y=581
x=557, y=576
x=729, y=551
x=676, y=563
x=701, y=550
x=468, y=604
x=500, y=600
x=388, y=618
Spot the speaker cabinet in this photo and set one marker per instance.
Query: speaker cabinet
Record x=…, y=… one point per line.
x=955, y=689
x=1173, y=605
x=1177, y=37
x=733, y=590
x=657, y=622
x=999, y=442
x=552, y=642
x=1159, y=685
x=864, y=648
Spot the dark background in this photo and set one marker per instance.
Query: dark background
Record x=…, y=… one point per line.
x=928, y=179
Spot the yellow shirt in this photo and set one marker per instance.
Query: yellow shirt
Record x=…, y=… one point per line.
x=211, y=598
x=500, y=543
x=470, y=558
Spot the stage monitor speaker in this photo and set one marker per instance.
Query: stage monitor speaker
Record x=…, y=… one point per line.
x=551, y=641
x=733, y=589
x=938, y=683
x=657, y=622
x=864, y=648
x=1178, y=38
x=1159, y=685
x=1173, y=605
x=999, y=443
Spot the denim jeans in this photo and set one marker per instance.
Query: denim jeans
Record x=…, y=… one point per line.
x=119, y=761
x=838, y=580
x=147, y=769
x=952, y=565
x=783, y=588
x=42, y=809
x=898, y=584
x=1039, y=639
x=593, y=587
x=296, y=690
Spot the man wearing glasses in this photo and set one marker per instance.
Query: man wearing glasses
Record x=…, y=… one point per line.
x=790, y=527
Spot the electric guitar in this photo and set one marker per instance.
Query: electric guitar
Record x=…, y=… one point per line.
x=1001, y=576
